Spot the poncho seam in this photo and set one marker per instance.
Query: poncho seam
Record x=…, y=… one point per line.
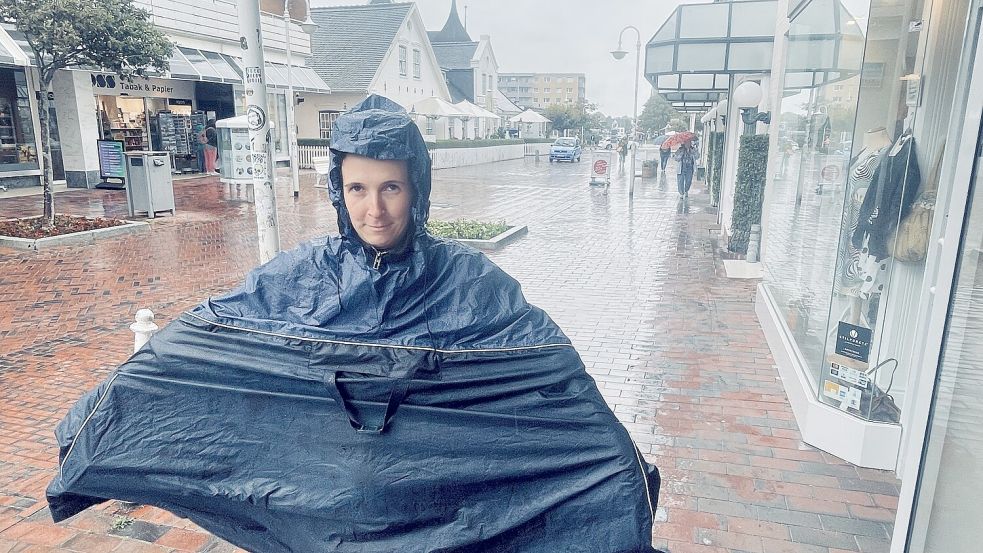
x=371, y=345
x=95, y=408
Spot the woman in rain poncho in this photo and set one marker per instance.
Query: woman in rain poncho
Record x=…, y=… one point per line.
x=379, y=391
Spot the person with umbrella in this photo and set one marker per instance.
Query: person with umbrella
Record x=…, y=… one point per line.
x=686, y=159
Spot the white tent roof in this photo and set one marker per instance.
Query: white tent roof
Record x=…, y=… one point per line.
x=529, y=116
x=437, y=107
x=475, y=110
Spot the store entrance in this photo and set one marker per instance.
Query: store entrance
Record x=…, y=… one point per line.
x=159, y=124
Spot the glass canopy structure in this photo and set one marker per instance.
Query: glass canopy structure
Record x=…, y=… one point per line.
x=692, y=59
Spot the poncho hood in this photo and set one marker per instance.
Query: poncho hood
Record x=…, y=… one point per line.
x=379, y=128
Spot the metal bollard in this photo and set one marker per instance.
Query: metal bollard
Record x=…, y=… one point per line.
x=537, y=154
x=143, y=329
x=754, y=244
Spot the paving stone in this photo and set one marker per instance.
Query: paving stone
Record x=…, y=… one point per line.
x=824, y=538
x=638, y=288
x=856, y=527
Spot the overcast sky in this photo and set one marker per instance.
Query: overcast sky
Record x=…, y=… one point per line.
x=561, y=36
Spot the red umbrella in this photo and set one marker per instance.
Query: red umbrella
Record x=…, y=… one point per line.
x=677, y=139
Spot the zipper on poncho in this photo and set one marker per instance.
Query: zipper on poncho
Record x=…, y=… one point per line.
x=378, y=258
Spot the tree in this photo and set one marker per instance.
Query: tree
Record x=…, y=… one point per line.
x=564, y=117
x=111, y=34
x=656, y=114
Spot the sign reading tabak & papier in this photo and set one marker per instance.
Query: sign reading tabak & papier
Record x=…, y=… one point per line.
x=109, y=84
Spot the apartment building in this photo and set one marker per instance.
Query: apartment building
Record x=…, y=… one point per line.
x=542, y=90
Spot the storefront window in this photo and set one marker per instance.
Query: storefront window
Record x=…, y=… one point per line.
x=18, y=150
x=854, y=193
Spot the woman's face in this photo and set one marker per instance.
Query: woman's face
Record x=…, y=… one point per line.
x=378, y=197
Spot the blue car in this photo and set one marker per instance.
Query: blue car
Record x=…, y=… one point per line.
x=566, y=149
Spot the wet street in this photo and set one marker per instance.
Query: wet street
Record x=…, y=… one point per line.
x=637, y=283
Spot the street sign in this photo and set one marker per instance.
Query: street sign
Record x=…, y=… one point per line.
x=600, y=167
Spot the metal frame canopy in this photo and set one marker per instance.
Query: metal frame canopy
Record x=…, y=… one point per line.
x=700, y=47
x=826, y=44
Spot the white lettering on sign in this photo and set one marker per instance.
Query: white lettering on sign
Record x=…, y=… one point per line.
x=111, y=85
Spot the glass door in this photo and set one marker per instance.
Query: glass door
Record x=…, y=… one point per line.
x=947, y=508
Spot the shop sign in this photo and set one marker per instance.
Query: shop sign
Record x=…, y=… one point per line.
x=853, y=341
x=108, y=84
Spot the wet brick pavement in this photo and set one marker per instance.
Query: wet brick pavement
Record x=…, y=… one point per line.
x=638, y=286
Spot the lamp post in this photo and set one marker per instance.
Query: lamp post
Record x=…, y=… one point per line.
x=620, y=54
x=309, y=27
x=747, y=96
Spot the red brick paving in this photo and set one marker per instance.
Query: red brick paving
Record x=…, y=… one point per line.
x=674, y=347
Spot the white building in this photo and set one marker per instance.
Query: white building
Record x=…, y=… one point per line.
x=379, y=48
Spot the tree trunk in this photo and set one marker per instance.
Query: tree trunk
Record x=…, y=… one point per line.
x=47, y=176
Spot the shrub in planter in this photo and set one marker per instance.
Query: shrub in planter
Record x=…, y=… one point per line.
x=467, y=229
x=752, y=163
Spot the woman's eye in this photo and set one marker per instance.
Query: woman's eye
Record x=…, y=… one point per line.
x=355, y=188
x=391, y=187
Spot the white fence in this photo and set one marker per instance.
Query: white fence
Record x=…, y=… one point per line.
x=445, y=158
x=306, y=155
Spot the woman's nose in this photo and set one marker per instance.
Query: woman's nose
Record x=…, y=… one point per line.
x=376, y=206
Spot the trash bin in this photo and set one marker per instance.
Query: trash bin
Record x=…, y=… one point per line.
x=149, y=187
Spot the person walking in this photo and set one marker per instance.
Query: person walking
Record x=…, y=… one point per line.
x=686, y=165
x=211, y=148
x=664, y=154
x=622, y=150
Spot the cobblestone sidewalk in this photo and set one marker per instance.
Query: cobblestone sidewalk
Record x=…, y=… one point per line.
x=637, y=285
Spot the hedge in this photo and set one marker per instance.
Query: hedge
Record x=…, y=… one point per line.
x=443, y=144
x=313, y=142
x=446, y=144
x=752, y=164
x=716, y=165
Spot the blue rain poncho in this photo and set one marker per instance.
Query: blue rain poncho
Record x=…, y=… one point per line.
x=328, y=405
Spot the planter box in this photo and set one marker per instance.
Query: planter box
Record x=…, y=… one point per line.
x=74, y=238
x=497, y=242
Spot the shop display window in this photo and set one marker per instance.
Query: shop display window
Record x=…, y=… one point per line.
x=124, y=119
x=18, y=148
x=850, y=209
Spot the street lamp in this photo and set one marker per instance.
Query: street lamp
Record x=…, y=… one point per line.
x=620, y=54
x=747, y=96
x=309, y=27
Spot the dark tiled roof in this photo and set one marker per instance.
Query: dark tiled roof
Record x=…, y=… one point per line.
x=351, y=42
x=454, y=55
x=453, y=30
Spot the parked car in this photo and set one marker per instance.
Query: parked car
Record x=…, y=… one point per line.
x=605, y=144
x=565, y=148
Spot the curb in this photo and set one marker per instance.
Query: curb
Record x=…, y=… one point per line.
x=75, y=238
x=497, y=242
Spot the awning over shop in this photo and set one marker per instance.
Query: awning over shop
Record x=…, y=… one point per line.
x=14, y=49
x=6, y=57
x=203, y=65
x=700, y=48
